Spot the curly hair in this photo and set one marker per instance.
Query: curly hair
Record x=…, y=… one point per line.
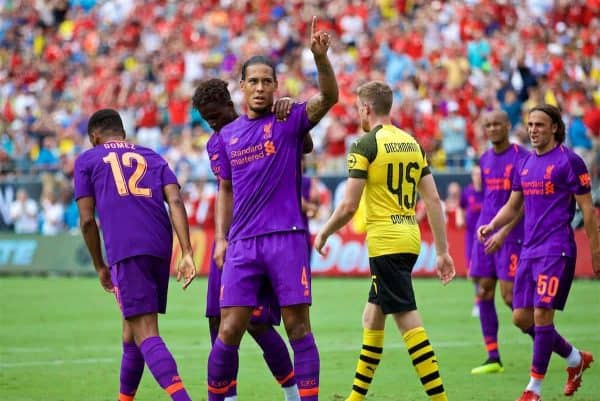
x=211, y=91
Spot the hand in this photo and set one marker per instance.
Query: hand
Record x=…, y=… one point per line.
x=186, y=269
x=319, y=41
x=311, y=210
x=483, y=231
x=105, y=280
x=494, y=243
x=320, y=241
x=445, y=268
x=282, y=108
x=219, y=254
x=596, y=263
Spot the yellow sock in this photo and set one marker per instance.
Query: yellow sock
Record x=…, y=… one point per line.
x=425, y=363
x=369, y=358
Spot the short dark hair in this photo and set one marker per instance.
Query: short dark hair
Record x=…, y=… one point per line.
x=212, y=90
x=554, y=113
x=105, y=122
x=258, y=60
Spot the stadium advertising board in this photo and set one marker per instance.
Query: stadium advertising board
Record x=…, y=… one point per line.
x=347, y=255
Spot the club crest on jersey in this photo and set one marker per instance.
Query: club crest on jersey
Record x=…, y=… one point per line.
x=214, y=157
x=548, y=173
x=507, y=170
x=486, y=170
x=234, y=140
x=351, y=161
x=524, y=172
x=267, y=130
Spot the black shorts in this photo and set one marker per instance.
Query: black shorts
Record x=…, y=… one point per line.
x=391, y=282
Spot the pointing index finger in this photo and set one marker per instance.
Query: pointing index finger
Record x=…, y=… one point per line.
x=313, y=26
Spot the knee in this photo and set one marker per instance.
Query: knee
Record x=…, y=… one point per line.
x=485, y=290
x=297, y=330
x=231, y=331
x=522, y=321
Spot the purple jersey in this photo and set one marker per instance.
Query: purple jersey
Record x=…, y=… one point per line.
x=498, y=171
x=471, y=201
x=264, y=166
x=549, y=183
x=127, y=181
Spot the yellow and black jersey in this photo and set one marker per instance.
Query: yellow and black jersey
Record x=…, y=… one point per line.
x=393, y=164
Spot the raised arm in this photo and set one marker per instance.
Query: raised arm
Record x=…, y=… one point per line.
x=435, y=215
x=319, y=104
x=223, y=217
x=186, y=267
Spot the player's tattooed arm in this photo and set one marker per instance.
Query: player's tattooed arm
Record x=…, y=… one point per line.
x=319, y=104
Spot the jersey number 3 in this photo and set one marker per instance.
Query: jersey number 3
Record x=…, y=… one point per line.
x=131, y=186
x=396, y=182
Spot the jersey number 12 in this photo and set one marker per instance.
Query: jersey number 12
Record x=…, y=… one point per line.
x=131, y=186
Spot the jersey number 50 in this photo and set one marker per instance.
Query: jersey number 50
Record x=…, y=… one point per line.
x=131, y=187
x=395, y=183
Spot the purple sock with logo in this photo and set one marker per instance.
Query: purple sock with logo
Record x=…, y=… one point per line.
x=489, y=327
x=132, y=368
x=163, y=367
x=276, y=356
x=223, y=362
x=306, y=367
x=542, y=350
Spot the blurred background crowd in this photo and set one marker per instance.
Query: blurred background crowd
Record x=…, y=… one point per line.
x=447, y=61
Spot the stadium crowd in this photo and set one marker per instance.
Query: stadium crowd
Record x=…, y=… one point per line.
x=447, y=61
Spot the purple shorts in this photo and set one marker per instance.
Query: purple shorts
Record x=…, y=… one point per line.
x=543, y=282
x=501, y=264
x=278, y=261
x=141, y=284
x=267, y=311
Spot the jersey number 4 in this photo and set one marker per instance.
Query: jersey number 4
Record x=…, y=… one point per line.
x=131, y=186
x=395, y=183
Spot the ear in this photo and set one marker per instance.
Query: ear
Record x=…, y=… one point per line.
x=554, y=128
x=242, y=83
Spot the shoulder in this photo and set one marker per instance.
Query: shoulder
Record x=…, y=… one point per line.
x=229, y=129
x=213, y=143
x=84, y=158
x=573, y=159
x=366, y=145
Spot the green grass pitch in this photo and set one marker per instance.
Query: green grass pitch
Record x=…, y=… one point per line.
x=60, y=340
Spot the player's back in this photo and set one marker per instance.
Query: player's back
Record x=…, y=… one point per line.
x=127, y=183
x=393, y=163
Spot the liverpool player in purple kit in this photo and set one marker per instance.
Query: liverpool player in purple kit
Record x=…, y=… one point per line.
x=129, y=185
x=259, y=209
x=213, y=101
x=547, y=185
x=496, y=260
